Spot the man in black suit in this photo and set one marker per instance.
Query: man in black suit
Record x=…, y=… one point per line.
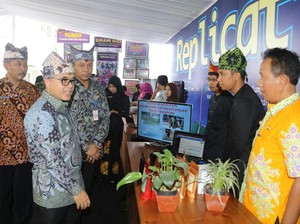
x=246, y=111
x=218, y=117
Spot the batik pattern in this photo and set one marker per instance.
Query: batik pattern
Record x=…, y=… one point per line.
x=54, y=152
x=14, y=104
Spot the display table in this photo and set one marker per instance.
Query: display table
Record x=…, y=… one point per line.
x=128, y=134
x=188, y=210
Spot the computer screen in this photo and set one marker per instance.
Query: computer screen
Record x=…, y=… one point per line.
x=188, y=144
x=157, y=121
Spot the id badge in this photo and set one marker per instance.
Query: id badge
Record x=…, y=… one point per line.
x=95, y=115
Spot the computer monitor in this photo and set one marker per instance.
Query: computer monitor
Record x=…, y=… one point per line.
x=190, y=145
x=157, y=121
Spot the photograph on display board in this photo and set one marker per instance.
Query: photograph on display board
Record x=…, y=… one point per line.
x=107, y=66
x=151, y=81
x=142, y=73
x=130, y=63
x=129, y=73
x=137, y=50
x=142, y=63
x=131, y=87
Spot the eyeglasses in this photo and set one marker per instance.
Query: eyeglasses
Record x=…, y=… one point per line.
x=65, y=81
x=211, y=80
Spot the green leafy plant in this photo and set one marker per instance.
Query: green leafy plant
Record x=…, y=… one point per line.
x=165, y=175
x=222, y=177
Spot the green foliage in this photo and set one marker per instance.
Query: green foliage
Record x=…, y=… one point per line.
x=165, y=176
x=222, y=177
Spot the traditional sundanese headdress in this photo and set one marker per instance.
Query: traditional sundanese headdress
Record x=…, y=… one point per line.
x=11, y=52
x=213, y=70
x=233, y=60
x=76, y=54
x=55, y=65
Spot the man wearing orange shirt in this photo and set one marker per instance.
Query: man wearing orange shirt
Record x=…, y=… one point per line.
x=16, y=97
x=271, y=187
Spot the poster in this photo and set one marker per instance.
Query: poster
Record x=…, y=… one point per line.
x=136, y=49
x=67, y=36
x=103, y=44
x=107, y=66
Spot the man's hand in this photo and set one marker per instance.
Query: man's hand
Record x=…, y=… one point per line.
x=82, y=200
x=157, y=89
x=114, y=112
x=93, y=153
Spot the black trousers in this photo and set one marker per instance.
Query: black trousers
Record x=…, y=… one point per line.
x=89, y=173
x=64, y=215
x=15, y=194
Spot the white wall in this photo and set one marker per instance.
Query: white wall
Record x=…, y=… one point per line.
x=41, y=39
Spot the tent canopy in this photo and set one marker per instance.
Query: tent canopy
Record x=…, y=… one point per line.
x=151, y=21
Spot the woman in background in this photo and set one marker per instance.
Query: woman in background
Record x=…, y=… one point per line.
x=146, y=91
x=111, y=168
x=171, y=92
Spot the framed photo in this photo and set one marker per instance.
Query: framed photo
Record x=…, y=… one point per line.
x=142, y=63
x=129, y=63
x=142, y=73
x=130, y=84
x=138, y=50
x=129, y=73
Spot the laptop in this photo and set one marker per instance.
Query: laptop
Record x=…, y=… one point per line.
x=190, y=145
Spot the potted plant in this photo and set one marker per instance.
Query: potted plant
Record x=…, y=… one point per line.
x=221, y=177
x=165, y=176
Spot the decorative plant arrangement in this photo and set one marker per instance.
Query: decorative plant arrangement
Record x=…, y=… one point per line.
x=222, y=177
x=165, y=174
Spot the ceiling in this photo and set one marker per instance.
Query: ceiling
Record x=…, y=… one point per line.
x=150, y=21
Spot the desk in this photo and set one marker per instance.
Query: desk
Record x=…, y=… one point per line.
x=188, y=210
x=128, y=134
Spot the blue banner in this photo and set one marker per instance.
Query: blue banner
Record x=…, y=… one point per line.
x=253, y=26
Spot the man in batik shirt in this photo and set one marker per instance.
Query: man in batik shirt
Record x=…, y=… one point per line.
x=58, y=189
x=271, y=187
x=90, y=112
x=16, y=97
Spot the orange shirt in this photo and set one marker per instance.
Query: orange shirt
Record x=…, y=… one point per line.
x=274, y=161
x=14, y=103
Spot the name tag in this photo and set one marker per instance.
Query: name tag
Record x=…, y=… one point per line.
x=95, y=115
x=4, y=97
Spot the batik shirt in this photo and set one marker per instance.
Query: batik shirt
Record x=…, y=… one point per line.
x=90, y=112
x=274, y=161
x=14, y=104
x=55, y=153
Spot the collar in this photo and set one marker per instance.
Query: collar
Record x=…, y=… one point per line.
x=59, y=105
x=7, y=81
x=275, y=108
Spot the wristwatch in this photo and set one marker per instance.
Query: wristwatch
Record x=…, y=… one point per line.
x=85, y=147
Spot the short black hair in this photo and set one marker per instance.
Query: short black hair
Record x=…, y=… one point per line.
x=39, y=79
x=162, y=79
x=284, y=62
